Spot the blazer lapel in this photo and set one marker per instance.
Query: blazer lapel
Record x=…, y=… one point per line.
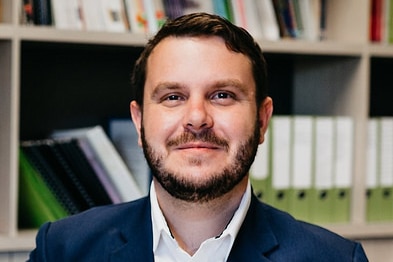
x=255, y=238
x=133, y=239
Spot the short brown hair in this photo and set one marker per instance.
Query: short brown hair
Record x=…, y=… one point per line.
x=236, y=39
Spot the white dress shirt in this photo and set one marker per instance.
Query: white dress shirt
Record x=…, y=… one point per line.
x=216, y=249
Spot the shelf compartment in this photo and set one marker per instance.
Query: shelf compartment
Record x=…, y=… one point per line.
x=73, y=85
x=381, y=86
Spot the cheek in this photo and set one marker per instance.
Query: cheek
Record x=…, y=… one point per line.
x=159, y=126
x=236, y=127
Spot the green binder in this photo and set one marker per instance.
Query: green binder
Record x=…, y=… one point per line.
x=373, y=190
x=281, y=159
x=322, y=191
x=343, y=161
x=301, y=167
x=260, y=173
x=386, y=167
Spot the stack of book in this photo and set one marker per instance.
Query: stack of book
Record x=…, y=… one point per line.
x=265, y=19
x=71, y=172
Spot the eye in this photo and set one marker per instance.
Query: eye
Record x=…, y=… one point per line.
x=222, y=95
x=172, y=97
x=172, y=100
x=223, y=98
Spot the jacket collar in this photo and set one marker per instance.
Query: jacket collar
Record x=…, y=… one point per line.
x=134, y=242
x=254, y=240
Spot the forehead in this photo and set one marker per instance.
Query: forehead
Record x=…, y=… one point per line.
x=195, y=53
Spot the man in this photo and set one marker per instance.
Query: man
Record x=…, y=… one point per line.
x=201, y=109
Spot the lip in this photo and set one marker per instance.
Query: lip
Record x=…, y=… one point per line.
x=197, y=145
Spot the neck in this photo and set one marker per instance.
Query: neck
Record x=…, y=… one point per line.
x=193, y=223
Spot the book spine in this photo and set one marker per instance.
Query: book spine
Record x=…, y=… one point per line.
x=42, y=12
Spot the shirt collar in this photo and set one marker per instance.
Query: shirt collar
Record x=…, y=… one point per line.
x=161, y=227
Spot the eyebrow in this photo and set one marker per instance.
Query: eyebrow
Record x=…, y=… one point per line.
x=230, y=82
x=166, y=86
x=217, y=84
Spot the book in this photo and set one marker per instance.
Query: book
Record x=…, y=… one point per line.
x=37, y=204
x=252, y=21
x=238, y=13
x=267, y=20
x=50, y=150
x=175, y=8
x=42, y=12
x=123, y=134
x=155, y=14
x=198, y=6
x=99, y=170
x=38, y=160
x=220, y=7
x=93, y=15
x=85, y=175
x=310, y=19
x=136, y=15
x=376, y=21
x=27, y=12
x=116, y=170
x=114, y=15
x=66, y=14
x=278, y=6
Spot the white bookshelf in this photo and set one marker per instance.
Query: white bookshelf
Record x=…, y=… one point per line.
x=342, y=61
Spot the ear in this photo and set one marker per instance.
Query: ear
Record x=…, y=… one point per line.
x=136, y=115
x=265, y=114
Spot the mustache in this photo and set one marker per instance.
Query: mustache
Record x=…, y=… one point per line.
x=207, y=136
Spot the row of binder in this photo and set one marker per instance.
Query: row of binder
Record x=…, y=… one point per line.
x=379, y=178
x=305, y=167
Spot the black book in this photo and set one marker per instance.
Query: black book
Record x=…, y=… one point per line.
x=42, y=12
x=79, y=163
x=32, y=151
x=50, y=149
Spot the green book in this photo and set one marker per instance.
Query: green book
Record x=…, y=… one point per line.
x=37, y=203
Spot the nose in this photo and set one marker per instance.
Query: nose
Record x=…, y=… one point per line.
x=197, y=116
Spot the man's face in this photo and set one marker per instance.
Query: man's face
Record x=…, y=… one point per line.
x=199, y=127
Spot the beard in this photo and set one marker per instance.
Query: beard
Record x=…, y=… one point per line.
x=217, y=184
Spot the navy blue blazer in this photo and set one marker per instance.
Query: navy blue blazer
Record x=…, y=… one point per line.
x=123, y=232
